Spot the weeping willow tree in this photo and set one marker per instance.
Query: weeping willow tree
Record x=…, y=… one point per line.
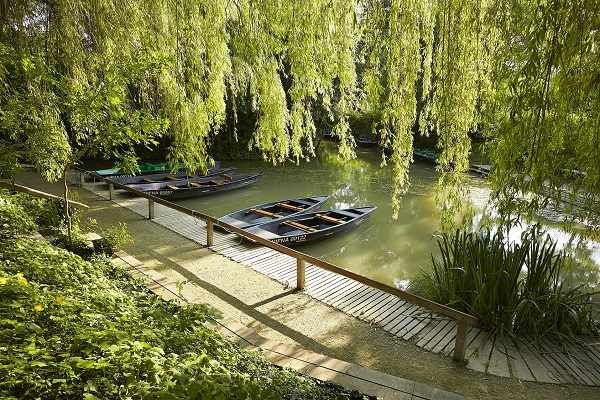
x=543, y=116
x=82, y=78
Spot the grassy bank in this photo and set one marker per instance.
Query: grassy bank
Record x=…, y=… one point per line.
x=76, y=328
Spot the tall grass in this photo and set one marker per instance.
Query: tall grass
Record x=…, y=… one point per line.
x=514, y=288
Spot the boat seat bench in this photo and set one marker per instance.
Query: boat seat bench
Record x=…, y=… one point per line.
x=289, y=206
x=264, y=212
x=298, y=225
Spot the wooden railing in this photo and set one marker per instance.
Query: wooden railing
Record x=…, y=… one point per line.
x=462, y=320
x=37, y=193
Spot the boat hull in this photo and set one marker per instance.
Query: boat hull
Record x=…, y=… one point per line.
x=191, y=192
x=269, y=231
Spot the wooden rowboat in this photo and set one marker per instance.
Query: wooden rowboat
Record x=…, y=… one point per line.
x=311, y=226
x=198, y=186
x=367, y=141
x=168, y=177
x=269, y=212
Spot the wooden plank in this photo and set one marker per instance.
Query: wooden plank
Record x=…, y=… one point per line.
x=356, y=307
x=518, y=367
x=541, y=371
x=567, y=363
x=421, y=323
x=290, y=206
x=326, y=286
x=401, y=319
x=378, y=298
x=584, y=361
x=435, y=327
x=358, y=295
x=498, y=364
x=383, y=307
x=392, y=313
x=446, y=341
x=478, y=353
x=447, y=330
x=409, y=319
x=344, y=290
x=317, y=277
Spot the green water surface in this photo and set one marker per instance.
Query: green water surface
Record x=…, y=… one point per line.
x=387, y=250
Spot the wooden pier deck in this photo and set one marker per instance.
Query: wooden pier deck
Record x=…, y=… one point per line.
x=576, y=362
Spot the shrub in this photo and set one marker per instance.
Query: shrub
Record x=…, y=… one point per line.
x=14, y=219
x=72, y=328
x=512, y=288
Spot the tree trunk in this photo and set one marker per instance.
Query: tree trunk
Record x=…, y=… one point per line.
x=67, y=213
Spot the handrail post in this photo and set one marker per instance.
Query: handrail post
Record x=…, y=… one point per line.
x=150, y=209
x=81, y=178
x=300, y=273
x=111, y=188
x=460, y=341
x=209, y=233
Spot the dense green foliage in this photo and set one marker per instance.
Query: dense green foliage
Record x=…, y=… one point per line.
x=71, y=328
x=103, y=77
x=515, y=288
x=21, y=214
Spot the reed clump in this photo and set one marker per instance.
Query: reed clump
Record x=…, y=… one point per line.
x=514, y=288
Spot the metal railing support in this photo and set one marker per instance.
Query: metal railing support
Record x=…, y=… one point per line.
x=460, y=341
x=209, y=233
x=111, y=188
x=81, y=178
x=150, y=209
x=300, y=273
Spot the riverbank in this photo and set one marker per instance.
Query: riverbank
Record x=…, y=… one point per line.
x=246, y=297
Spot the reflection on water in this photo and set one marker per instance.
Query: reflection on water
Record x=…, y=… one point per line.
x=386, y=250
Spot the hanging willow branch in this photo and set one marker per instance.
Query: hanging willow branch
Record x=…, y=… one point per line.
x=109, y=75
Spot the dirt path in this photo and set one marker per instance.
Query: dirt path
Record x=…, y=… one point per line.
x=242, y=295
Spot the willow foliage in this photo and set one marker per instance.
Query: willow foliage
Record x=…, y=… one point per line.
x=82, y=77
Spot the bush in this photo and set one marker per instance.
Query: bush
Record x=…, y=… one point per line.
x=71, y=328
x=15, y=221
x=512, y=288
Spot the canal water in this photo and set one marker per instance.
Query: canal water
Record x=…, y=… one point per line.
x=387, y=250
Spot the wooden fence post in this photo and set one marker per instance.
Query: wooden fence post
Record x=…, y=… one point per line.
x=209, y=233
x=111, y=187
x=459, y=342
x=300, y=273
x=150, y=209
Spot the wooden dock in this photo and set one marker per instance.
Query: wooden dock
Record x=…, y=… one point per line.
x=576, y=362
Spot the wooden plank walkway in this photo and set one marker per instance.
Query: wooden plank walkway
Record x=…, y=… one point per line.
x=523, y=358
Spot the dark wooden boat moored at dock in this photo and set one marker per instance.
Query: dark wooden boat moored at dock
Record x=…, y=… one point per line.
x=311, y=226
x=168, y=177
x=197, y=187
x=367, y=141
x=269, y=212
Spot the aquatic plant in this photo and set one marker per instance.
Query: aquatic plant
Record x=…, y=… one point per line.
x=515, y=288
